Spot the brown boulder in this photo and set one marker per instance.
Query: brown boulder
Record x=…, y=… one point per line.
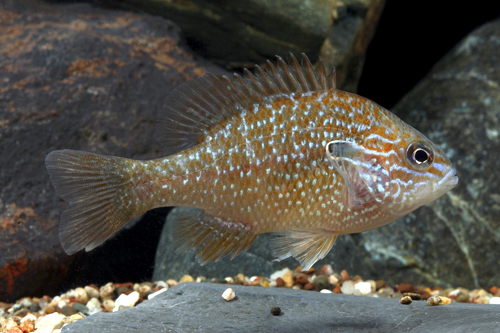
x=77, y=77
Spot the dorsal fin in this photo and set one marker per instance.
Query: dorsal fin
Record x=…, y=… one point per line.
x=193, y=108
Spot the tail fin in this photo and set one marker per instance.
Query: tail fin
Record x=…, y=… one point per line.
x=95, y=187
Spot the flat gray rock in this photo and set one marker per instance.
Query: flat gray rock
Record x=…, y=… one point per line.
x=194, y=307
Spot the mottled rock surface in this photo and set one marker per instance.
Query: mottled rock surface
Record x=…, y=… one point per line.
x=456, y=240
x=192, y=307
x=77, y=77
x=241, y=33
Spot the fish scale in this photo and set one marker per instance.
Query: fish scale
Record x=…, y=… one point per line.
x=282, y=151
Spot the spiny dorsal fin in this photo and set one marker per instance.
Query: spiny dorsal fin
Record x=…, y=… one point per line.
x=193, y=108
x=214, y=237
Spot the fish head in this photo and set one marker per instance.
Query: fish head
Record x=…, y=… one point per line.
x=419, y=172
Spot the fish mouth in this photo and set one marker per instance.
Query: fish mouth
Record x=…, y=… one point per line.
x=449, y=180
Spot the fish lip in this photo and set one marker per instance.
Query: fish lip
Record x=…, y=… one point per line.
x=449, y=181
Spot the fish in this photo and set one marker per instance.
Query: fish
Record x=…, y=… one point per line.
x=280, y=151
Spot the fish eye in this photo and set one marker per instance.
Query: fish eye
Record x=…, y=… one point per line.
x=419, y=155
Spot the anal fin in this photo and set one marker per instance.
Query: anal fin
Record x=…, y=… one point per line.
x=307, y=246
x=214, y=237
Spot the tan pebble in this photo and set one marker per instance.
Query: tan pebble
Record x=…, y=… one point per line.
x=171, y=282
x=144, y=289
x=76, y=317
x=296, y=287
x=482, y=300
x=228, y=294
x=91, y=292
x=136, y=287
x=200, y=279
x=434, y=300
x=109, y=304
x=288, y=279
x=327, y=270
x=50, y=322
x=186, y=278
x=81, y=295
x=240, y=278
x=445, y=300
x=482, y=292
x=107, y=289
x=229, y=279
x=28, y=322
x=437, y=293
x=53, y=303
x=344, y=275
x=163, y=284
x=333, y=279
x=405, y=300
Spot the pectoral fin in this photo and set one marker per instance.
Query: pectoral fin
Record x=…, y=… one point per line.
x=307, y=246
x=365, y=178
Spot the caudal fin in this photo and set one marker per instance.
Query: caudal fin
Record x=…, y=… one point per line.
x=95, y=187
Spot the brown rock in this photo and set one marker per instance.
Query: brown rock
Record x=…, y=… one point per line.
x=405, y=300
x=379, y=284
x=404, y=288
x=344, y=275
x=49, y=310
x=337, y=289
x=280, y=282
x=309, y=286
x=57, y=92
x=301, y=278
x=244, y=32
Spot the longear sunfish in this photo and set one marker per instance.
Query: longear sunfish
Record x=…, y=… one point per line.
x=279, y=151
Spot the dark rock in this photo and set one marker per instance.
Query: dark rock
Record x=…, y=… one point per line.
x=21, y=313
x=242, y=33
x=80, y=308
x=275, y=310
x=68, y=310
x=455, y=240
x=321, y=282
x=34, y=307
x=77, y=77
x=192, y=307
x=354, y=25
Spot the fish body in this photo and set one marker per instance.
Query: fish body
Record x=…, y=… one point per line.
x=282, y=151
